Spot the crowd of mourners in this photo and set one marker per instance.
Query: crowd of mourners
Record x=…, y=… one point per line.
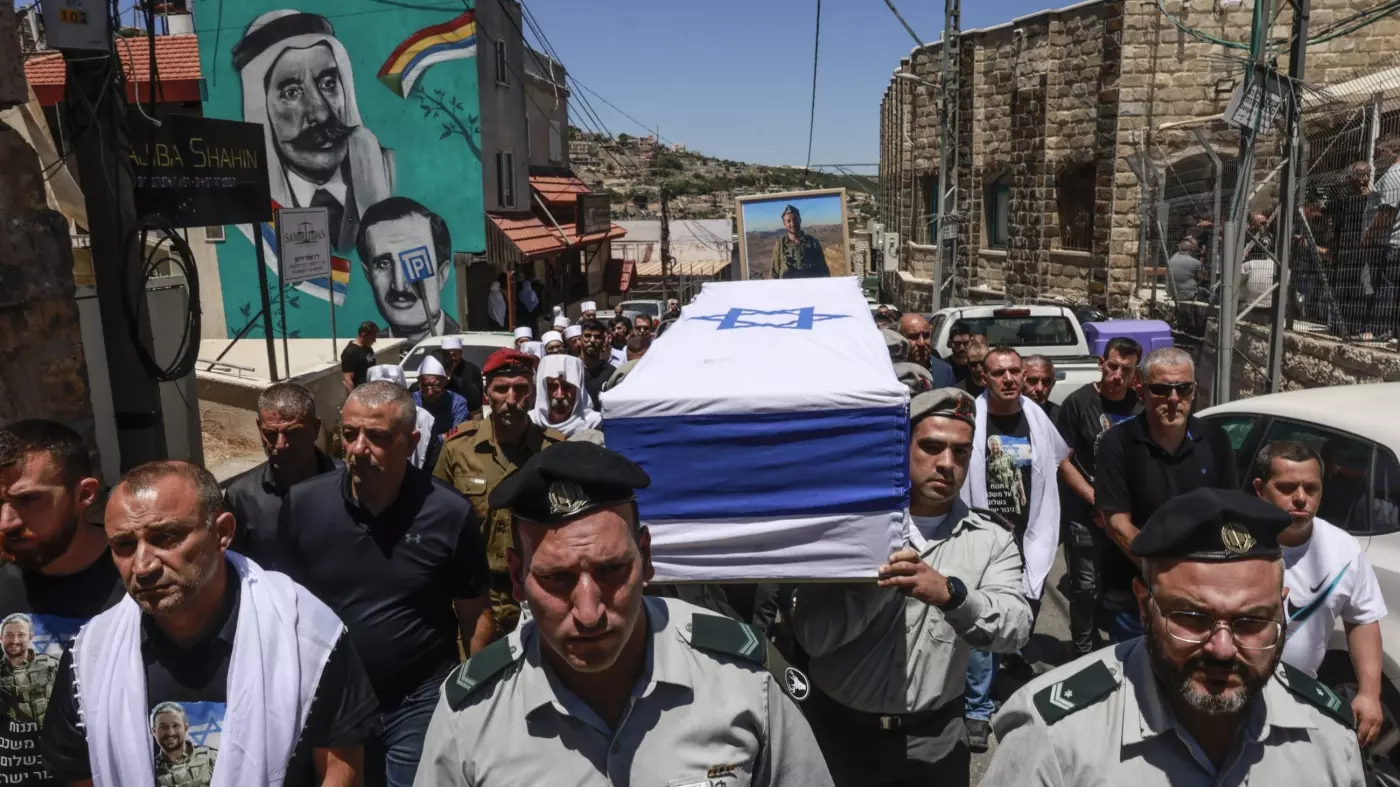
x=461, y=595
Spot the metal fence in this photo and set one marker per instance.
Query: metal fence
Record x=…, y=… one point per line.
x=1344, y=254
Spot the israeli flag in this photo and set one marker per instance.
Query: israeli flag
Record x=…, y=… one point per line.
x=775, y=432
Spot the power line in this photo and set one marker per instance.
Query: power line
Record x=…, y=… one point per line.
x=907, y=28
x=816, y=53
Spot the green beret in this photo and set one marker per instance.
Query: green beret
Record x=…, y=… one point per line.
x=946, y=402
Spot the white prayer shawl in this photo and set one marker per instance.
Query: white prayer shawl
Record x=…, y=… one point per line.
x=528, y=298
x=583, y=416
x=284, y=638
x=1043, y=527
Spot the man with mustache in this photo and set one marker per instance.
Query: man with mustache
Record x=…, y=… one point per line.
x=1328, y=577
x=298, y=82
x=203, y=625
x=1201, y=698
x=478, y=455
x=54, y=567
x=889, y=660
x=398, y=556
x=916, y=329
x=597, y=361
x=395, y=235
x=604, y=685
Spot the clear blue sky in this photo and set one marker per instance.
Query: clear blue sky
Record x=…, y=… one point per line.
x=765, y=216
x=733, y=78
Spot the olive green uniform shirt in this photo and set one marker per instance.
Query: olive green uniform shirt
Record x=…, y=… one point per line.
x=24, y=690
x=472, y=461
x=1104, y=721
x=697, y=718
x=801, y=260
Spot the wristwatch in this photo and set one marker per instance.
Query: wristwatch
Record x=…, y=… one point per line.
x=957, y=594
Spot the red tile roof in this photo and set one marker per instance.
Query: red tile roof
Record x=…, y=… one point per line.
x=177, y=56
x=534, y=237
x=558, y=190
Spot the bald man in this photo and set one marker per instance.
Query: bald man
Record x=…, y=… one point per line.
x=916, y=329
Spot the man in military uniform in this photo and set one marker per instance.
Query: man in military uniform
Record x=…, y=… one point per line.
x=478, y=455
x=26, y=677
x=179, y=763
x=603, y=685
x=1003, y=474
x=889, y=659
x=797, y=255
x=1201, y=698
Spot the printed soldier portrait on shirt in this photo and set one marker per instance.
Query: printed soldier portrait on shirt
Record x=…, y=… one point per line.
x=797, y=235
x=32, y=646
x=186, y=742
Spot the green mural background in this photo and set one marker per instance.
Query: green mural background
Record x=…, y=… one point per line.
x=430, y=140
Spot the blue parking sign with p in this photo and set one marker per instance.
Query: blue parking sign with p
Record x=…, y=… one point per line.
x=416, y=264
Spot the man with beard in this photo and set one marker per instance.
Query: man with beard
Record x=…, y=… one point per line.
x=976, y=380
x=26, y=677
x=289, y=427
x=561, y=401
x=597, y=365
x=797, y=255
x=1087, y=414
x=959, y=337
x=463, y=376
x=620, y=331
x=1202, y=698
x=916, y=329
x=1328, y=578
x=588, y=310
x=54, y=568
x=1142, y=463
x=673, y=309
x=888, y=660
x=298, y=82
x=478, y=455
x=396, y=235
x=179, y=763
x=269, y=663
x=398, y=556
x=447, y=408
x=604, y=685
x=573, y=338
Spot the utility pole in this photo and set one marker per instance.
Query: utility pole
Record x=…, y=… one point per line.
x=665, y=242
x=1288, y=203
x=945, y=228
x=1235, y=234
x=97, y=115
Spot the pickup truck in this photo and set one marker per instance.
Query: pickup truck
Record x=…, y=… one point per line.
x=1051, y=331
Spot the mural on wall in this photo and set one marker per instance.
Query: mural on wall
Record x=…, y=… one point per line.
x=370, y=110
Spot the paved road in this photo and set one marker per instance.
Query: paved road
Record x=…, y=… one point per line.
x=1049, y=646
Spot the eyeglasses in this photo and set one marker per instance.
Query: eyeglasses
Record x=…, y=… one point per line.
x=1196, y=628
x=1164, y=390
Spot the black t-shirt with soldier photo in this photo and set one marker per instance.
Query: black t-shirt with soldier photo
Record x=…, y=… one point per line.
x=1009, y=453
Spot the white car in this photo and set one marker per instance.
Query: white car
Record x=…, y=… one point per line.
x=1051, y=331
x=477, y=346
x=1356, y=430
x=652, y=309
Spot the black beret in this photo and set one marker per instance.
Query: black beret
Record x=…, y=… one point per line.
x=952, y=403
x=1213, y=524
x=566, y=481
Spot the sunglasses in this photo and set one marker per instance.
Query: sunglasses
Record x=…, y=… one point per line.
x=1164, y=390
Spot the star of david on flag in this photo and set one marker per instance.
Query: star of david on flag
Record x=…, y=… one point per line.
x=800, y=319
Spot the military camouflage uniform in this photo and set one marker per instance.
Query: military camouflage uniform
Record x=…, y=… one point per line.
x=801, y=260
x=26, y=688
x=1003, y=474
x=195, y=770
x=473, y=462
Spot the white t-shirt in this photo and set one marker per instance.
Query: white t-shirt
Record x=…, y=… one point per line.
x=1327, y=578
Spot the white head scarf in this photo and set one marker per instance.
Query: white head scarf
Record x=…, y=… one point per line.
x=496, y=304
x=561, y=322
x=528, y=296
x=387, y=371
x=369, y=173
x=583, y=416
x=588, y=306
x=551, y=336
x=431, y=366
x=558, y=311
x=533, y=348
x=524, y=332
x=573, y=332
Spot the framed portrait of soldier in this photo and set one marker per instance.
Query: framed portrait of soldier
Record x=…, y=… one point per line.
x=794, y=235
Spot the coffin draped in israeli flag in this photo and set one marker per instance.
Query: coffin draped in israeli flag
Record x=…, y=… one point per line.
x=775, y=432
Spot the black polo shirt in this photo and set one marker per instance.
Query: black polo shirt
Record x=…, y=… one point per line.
x=254, y=499
x=343, y=713
x=392, y=578
x=1135, y=476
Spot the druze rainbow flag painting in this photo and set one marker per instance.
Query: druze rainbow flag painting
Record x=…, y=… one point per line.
x=451, y=40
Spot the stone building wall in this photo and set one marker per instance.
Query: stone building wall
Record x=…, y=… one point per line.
x=1089, y=84
x=42, y=370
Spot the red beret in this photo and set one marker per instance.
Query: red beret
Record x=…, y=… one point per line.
x=507, y=360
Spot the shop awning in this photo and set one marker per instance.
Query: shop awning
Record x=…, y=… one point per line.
x=534, y=237
x=558, y=189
